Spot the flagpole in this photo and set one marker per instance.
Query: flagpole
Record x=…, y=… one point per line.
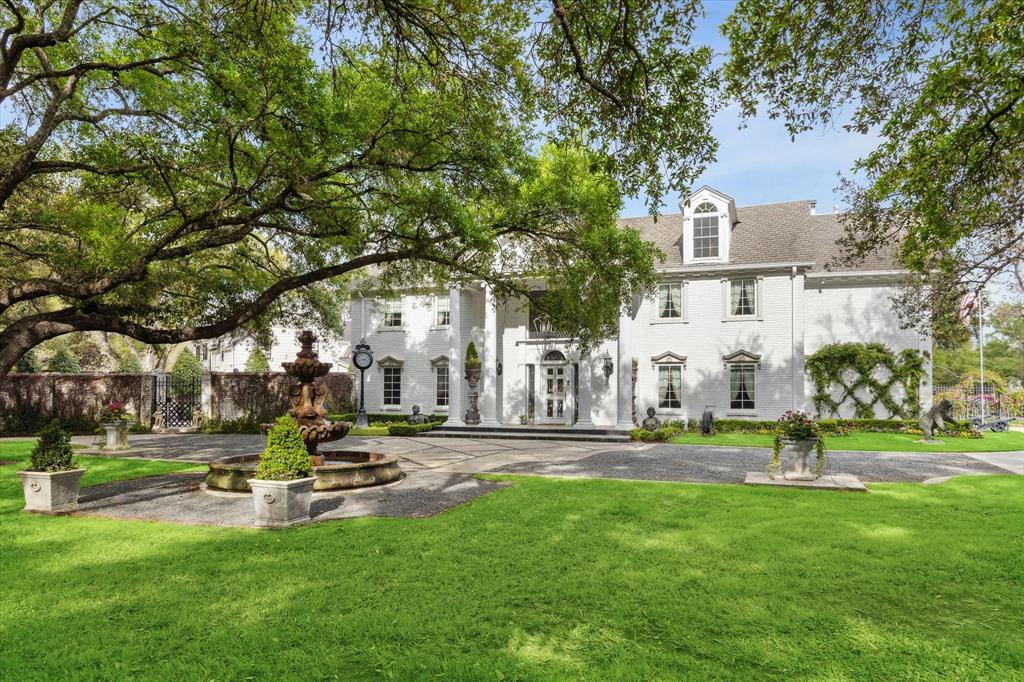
x=981, y=352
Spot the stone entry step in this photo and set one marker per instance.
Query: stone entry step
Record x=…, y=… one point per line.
x=510, y=432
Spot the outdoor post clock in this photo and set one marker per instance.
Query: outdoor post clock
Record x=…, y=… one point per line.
x=362, y=358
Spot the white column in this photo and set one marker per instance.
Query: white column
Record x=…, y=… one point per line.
x=455, y=350
x=489, y=375
x=624, y=372
x=584, y=390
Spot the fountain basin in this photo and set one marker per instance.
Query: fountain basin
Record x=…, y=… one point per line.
x=342, y=470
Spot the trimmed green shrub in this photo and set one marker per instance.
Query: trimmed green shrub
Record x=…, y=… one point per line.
x=285, y=457
x=241, y=425
x=408, y=429
x=64, y=361
x=28, y=363
x=52, y=451
x=186, y=373
x=662, y=435
x=257, y=361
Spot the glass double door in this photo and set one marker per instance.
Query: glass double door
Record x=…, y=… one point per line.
x=554, y=394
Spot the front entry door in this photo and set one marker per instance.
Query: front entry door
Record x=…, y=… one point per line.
x=553, y=405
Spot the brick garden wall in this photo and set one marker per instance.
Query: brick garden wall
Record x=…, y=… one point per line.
x=262, y=397
x=29, y=401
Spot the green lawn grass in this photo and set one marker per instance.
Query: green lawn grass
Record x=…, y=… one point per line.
x=900, y=442
x=547, y=579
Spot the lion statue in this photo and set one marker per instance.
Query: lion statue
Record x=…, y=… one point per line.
x=936, y=418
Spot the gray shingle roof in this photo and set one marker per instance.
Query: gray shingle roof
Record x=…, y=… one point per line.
x=768, y=233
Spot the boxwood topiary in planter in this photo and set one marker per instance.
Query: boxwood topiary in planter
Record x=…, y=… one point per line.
x=51, y=482
x=52, y=451
x=285, y=457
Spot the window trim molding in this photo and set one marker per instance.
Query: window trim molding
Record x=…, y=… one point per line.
x=384, y=315
x=669, y=358
x=398, y=365
x=389, y=361
x=741, y=357
x=743, y=411
x=434, y=310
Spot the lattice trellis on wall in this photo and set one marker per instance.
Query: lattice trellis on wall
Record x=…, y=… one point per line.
x=853, y=369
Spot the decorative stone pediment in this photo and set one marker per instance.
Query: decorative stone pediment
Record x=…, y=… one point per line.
x=742, y=356
x=668, y=358
x=439, y=361
x=390, y=361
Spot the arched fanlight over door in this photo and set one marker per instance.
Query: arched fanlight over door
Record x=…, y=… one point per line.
x=554, y=356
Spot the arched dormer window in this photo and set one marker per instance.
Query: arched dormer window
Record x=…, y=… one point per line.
x=705, y=231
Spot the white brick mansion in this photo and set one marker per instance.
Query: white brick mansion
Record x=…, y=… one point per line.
x=744, y=298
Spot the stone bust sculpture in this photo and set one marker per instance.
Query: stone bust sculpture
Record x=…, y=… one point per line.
x=651, y=423
x=936, y=418
x=416, y=417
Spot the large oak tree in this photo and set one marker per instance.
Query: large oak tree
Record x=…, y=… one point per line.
x=172, y=171
x=942, y=84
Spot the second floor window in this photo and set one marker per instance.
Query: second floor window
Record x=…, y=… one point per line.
x=705, y=231
x=743, y=297
x=393, y=312
x=670, y=301
x=442, y=311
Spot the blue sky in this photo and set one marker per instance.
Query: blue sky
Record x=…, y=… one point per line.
x=760, y=164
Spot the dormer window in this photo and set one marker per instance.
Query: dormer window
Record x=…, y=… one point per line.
x=705, y=231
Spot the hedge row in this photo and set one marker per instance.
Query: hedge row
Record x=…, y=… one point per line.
x=384, y=417
x=409, y=429
x=832, y=427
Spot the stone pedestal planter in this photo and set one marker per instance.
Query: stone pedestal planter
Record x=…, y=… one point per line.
x=473, y=379
x=51, y=492
x=797, y=454
x=116, y=435
x=279, y=504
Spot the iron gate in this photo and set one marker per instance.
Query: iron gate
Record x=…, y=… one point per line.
x=176, y=401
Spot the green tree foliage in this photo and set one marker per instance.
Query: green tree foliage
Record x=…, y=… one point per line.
x=52, y=452
x=64, y=361
x=257, y=361
x=175, y=171
x=285, y=457
x=1007, y=319
x=28, y=363
x=952, y=366
x=128, y=362
x=186, y=373
x=942, y=83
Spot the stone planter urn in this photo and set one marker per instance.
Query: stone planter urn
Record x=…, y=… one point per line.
x=51, y=492
x=279, y=504
x=473, y=379
x=116, y=435
x=797, y=454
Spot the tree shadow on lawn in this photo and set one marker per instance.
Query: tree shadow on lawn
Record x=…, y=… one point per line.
x=546, y=579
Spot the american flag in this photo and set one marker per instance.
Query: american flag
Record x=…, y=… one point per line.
x=967, y=305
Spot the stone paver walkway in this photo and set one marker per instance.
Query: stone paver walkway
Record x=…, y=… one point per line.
x=177, y=498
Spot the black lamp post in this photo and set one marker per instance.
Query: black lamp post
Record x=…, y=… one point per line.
x=362, y=358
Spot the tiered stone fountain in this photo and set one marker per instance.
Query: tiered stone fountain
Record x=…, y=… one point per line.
x=335, y=470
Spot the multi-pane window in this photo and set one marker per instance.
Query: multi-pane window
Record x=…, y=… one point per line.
x=393, y=312
x=743, y=297
x=705, y=231
x=741, y=386
x=670, y=301
x=670, y=386
x=442, y=311
x=392, y=386
x=442, y=386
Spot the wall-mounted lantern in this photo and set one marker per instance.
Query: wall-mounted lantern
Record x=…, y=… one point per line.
x=607, y=367
x=498, y=368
